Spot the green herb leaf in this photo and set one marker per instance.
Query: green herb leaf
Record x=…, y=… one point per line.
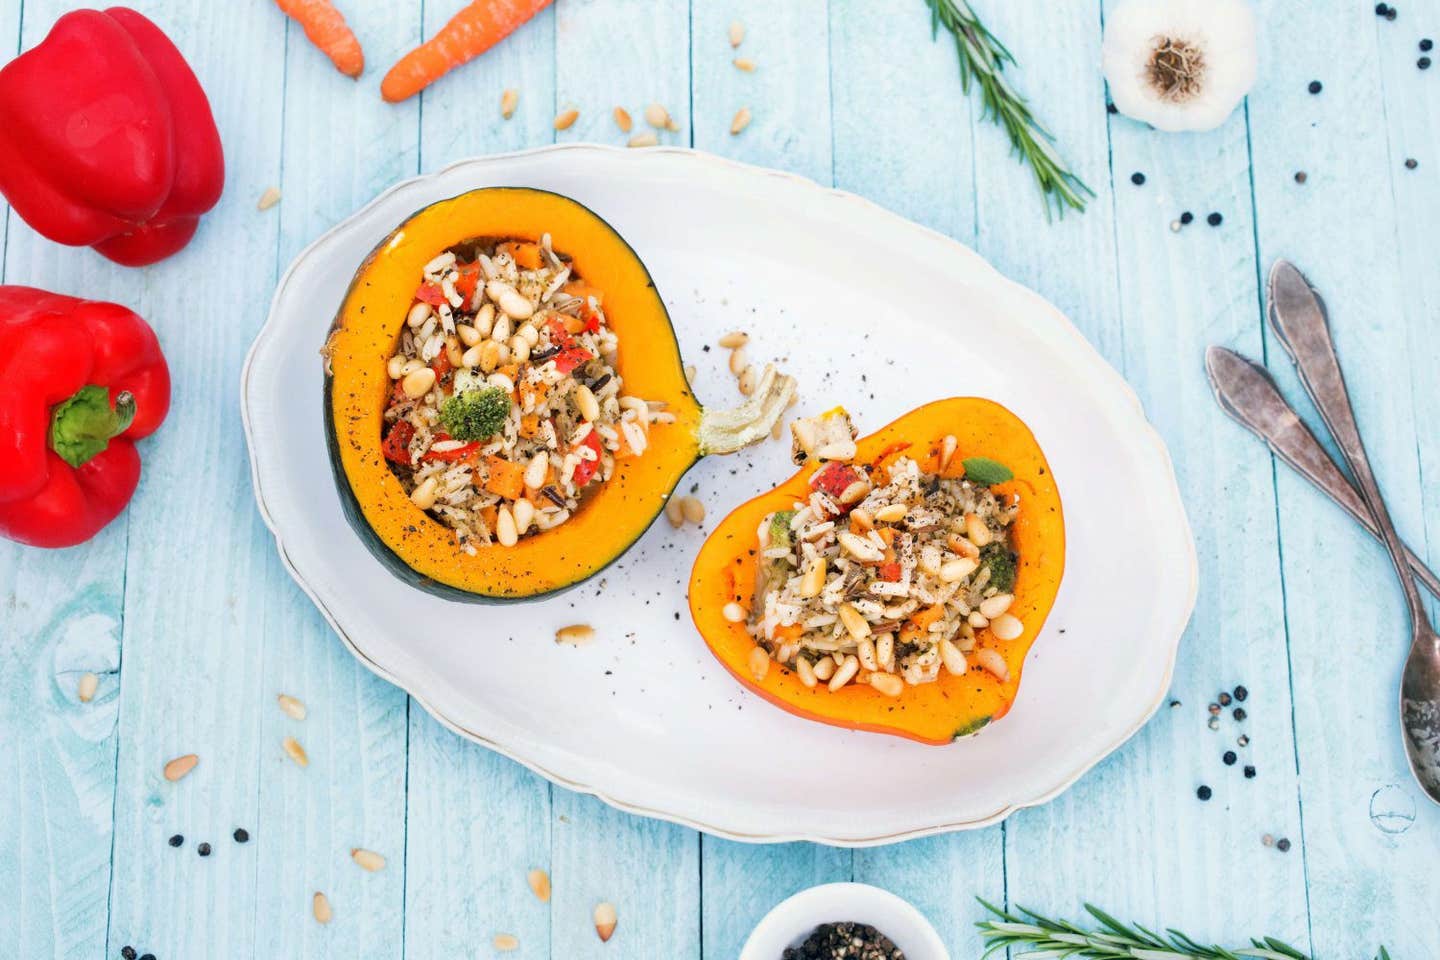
x=986, y=472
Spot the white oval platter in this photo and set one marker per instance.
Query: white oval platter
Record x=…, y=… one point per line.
x=643, y=717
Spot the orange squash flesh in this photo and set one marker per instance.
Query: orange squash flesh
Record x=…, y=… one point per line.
x=422, y=550
x=951, y=707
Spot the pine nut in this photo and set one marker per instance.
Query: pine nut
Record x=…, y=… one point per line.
x=692, y=510
x=953, y=659
x=500, y=332
x=855, y=492
x=861, y=519
x=1007, y=626
x=509, y=100
x=539, y=882
x=891, y=513
x=605, y=920
x=690, y=375
x=86, y=687
x=994, y=664
x=824, y=669
x=885, y=651
x=747, y=381
x=368, y=859
x=737, y=33
x=759, y=663
x=519, y=349
x=471, y=358
x=393, y=367
x=418, y=314
x=524, y=512
x=586, y=403
x=865, y=650
x=860, y=547
x=839, y=450
x=320, y=906
x=622, y=119
x=643, y=140
x=805, y=671
x=741, y=121
x=745, y=64
x=501, y=381
x=977, y=531
x=291, y=707
x=734, y=612
x=954, y=571
x=855, y=624
x=844, y=673
x=295, y=752
x=535, y=470
x=734, y=340
x=575, y=635
x=947, y=450
x=978, y=620
x=992, y=607
x=468, y=335
x=887, y=683
x=962, y=546
x=417, y=383
x=489, y=356
x=528, y=333
x=423, y=496
x=813, y=582
x=453, y=353
x=505, y=942
x=737, y=361
x=510, y=302
x=565, y=119
x=674, y=512
x=484, y=320
x=657, y=116
x=268, y=199
x=180, y=766
x=505, y=530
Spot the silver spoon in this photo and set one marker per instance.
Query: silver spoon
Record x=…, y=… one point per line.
x=1297, y=316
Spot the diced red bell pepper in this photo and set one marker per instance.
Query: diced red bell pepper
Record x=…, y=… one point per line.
x=571, y=357
x=468, y=280
x=450, y=456
x=592, y=321
x=833, y=478
x=890, y=571
x=106, y=138
x=442, y=365
x=397, y=442
x=587, y=468
x=430, y=293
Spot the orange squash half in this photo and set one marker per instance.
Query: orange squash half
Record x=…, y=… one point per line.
x=952, y=706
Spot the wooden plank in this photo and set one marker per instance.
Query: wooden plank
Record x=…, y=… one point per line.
x=1154, y=308
x=1363, y=853
x=193, y=624
x=788, y=97
x=341, y=146
x=477, y=821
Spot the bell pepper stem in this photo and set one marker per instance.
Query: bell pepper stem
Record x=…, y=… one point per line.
x=725, y=431
x=84, y=424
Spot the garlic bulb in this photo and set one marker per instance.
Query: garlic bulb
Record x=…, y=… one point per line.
x=1179, y=64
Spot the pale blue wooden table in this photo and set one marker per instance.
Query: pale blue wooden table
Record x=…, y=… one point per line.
x=183, y=608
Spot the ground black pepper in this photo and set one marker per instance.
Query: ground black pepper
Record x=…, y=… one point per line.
x=241, y=835
x=1204, y=793
x=176, y=840
x=203, y=849
x=845, y=941
x=1315, y=86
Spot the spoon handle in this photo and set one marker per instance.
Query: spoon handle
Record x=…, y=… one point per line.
x=1297, y=317
x=1246, y=392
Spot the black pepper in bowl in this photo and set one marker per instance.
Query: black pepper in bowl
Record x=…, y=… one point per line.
x=845, y=941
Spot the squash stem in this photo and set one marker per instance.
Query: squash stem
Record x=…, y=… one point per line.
x=725, y=431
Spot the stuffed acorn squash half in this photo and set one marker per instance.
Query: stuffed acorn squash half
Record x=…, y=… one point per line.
x=506, y=408
x=896, y=582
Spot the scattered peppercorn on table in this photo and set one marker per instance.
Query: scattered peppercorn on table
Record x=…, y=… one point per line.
x=158, y=799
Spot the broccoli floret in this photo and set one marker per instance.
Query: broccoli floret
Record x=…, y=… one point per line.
x=475, y=414
x=1002, y=566
x=780, y=535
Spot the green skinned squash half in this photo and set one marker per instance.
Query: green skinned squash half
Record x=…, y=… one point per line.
x=419, y=549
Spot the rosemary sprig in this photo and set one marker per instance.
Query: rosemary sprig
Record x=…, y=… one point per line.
x=1040, y=937
x=983, y=59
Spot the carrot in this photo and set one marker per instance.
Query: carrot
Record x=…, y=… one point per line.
x=476, y=28
x=326, y=28
x=525, y=255
x=506, y=479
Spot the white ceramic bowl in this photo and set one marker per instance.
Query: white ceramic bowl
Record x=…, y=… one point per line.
x=792, y=920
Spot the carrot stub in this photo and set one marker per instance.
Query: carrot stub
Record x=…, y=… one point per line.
x=326, y=28
x=476, y=28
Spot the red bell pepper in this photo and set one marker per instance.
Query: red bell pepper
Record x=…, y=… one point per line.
x=586, y=469
x=80, y=381
x=106, y=138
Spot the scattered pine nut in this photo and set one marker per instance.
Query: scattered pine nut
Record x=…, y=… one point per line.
x=180, y=766
x=690, y=372
x=759, y=663
x=85, y=689
x=622, y=119
x=295, y=752
x=565, y=119
x=734, y=339
x=733, y=612
x=745, y=64
x=657, y=116
x=643, y=140
x=747, y=381
x=269, y=198
x=509, y=100
x=737, y=33
x=741, y=121
x=505, y=942
x=320, y=904
x=605, y=920
x=692, y=509
x=675, y=513
x=292, y=708
x=539, y=884
x=575, y=634
x=672, y=126
x=737, y=361
x=368, y=859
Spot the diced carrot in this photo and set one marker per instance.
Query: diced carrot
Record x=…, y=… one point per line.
x=583, y=290
x=887, y=534
x=489, y=515
x=532, y=395
x=525, y=255
x=789, y=631
x=920, y=621
x=529, y=424
x=506, y=479
x=574, y=324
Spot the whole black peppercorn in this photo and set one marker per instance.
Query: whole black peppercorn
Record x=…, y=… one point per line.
x=1283, y=844
x=1249, y=773
x=1111, y=108
x=1203, y=793
x=1423, y=63
x=1214, y=219
x=147, y=956
x=1137, y=178
x=1315, y=86
x=1229, y=758
x=128, y=952
x=1411, y=163
x=176, y=840
x=1241, y=693
x=203, y=849
x=1224, y=699
x=1427, y=45
x=241, y=835
x=1301, y=176
x=1381, y=9
x=1391, y=13
x=1187, y=217
x=1239, y=713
